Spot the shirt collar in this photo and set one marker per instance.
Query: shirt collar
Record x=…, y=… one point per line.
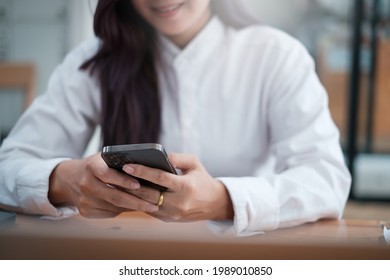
x=203, y=43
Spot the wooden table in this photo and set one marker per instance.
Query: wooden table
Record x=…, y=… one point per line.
x=137, y=236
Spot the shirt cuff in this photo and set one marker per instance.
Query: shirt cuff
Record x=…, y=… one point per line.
x=33, y=187
x=255, y=204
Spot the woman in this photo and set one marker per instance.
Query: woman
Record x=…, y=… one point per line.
x=243, y=110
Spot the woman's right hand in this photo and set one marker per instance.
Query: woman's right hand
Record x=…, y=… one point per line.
x=88, y=184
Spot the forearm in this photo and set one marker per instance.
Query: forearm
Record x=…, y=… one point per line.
x=302, y=194
x=24, y=184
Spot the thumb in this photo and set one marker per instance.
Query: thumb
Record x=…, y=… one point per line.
x=183, y=162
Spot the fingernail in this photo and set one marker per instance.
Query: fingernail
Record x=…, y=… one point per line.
x=128, y=169
x=134, y=185
x=151, y=208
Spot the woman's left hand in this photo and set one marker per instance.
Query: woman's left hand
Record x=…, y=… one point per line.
x=193, y=195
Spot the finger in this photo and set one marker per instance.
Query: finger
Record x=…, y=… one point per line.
x=98, y=194
x=98, y=209
x=157, y=176
x=115, y=178
x=145, y=193
x=183, y=161
x=93, y=195
x=126, y=201
x=110, y=176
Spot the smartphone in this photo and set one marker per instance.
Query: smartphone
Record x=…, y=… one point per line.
x=148, y=154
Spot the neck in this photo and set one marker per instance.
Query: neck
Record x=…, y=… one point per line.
x=184, y=39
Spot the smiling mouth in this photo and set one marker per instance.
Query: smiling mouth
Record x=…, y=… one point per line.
x=166, y=10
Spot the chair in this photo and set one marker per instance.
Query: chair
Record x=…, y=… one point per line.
x=17, y=76
x=21, y=76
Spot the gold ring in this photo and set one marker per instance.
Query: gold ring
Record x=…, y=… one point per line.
x=160, y=199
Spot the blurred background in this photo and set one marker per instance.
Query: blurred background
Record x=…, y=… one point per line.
x=349, y=40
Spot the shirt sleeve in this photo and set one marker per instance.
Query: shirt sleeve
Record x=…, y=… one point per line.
x=310, y=180
x=56, y=127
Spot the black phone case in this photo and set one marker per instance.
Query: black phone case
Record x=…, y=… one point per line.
x=151, y=155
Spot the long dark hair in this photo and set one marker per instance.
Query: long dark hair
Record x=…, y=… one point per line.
x=125, y=68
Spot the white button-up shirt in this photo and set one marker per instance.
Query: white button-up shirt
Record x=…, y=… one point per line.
x=247, y=102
